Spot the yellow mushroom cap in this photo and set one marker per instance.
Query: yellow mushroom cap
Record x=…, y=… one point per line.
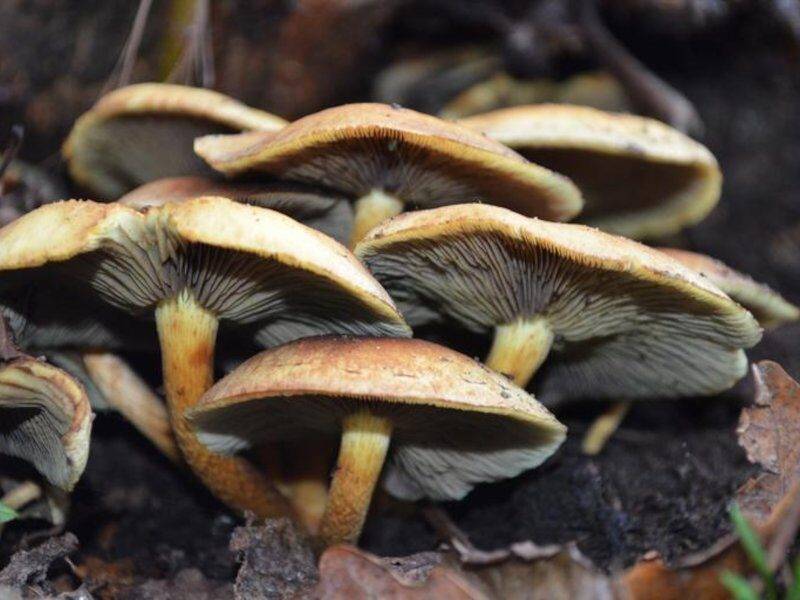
x=249, y=266
x=455, y=422
x=419, y=159
x=640, y=178
x=628, y=321
x=145, y=131
x=767, y=305
x=47, y=419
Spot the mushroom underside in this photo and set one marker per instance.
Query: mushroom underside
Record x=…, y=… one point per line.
x=125, y=152
x=47, y=315
x=272, y=302
x=34, y=423
x=617, y=185
x=615, y=334
x=417, y=175
x=436, y=453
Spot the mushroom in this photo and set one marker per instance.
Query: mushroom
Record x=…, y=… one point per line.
x=597, y=89
x=622, y=320
x=324, y=210
x=46, y=418
x=451, y=422
x=389, y=157
x=144, y=132
x=768, y=306
x=198, y=266
x=640, y=178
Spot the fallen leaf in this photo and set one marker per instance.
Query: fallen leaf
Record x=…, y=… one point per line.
x=565, y=574
x=769, y=431
x=347, y=572
x=30, y=566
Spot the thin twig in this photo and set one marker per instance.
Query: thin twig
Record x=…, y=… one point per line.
x=123, y=70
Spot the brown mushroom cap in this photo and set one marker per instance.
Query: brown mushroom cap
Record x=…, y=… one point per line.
x=455, y=423
x=419, y=159
x=626, y=321
x=144, y=132
x=640, y=178
x=245, y=264
x=767, y=305
x=320, y=209
x=46, y=419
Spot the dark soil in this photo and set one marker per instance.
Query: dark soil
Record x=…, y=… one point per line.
x=664, y=480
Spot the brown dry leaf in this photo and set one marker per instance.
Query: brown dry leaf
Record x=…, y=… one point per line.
x=29, y=567
x=564, y=575
x=769, y=431
x=347, y=572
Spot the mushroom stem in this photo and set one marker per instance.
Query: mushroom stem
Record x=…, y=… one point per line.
x=519, y=348
x=187, y=332
x=133, y=398
x=22, y=495
x=365, y=441
x=308, y=468
x=604, y=427
x=371, y=210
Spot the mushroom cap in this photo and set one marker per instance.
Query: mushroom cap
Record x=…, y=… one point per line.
x=767, y=305
x=640, y=178
x=250, y=266
x=455, y=422
x=47, y=419
x=422, y=160
x=323, y=210
x=628, y=321
x=143, y=132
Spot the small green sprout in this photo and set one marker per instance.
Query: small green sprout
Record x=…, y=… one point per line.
x=7, y=513
x=739, y=587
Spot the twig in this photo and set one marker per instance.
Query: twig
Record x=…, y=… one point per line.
x=121, y=74
x=651, y=94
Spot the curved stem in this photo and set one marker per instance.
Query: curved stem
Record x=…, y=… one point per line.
x=372, y=210
x=365, y=441
x=188, y=332
x=520, y=348
x=125, y=391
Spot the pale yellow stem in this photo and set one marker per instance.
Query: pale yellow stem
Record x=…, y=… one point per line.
x=307, y=468
x=22, y=495
x=519, y=348
x=365, y=442
x=370, y=211
x=604, y=427
x=126, y=392
x=188, y=332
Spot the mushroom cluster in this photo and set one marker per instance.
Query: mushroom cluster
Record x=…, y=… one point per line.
x=213, y=237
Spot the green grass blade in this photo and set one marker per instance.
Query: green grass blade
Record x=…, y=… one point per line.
x=7, y=513
x=755, y=551
x=738, y=586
